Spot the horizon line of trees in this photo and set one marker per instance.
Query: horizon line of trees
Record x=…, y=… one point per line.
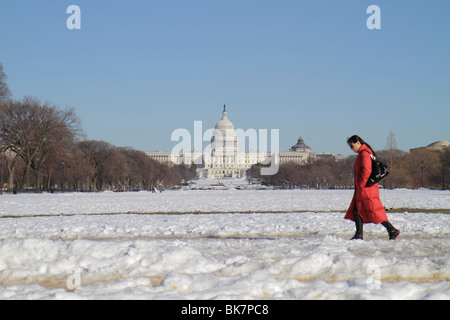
x=419, y=168
x=42, y=148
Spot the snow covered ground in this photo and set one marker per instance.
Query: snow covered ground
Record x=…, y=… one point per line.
x=209, y=201
x=69, y=246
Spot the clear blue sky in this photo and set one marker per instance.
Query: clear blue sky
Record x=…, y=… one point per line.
x=137, y=70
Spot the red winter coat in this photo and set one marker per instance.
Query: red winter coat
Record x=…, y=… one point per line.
x=366, y=199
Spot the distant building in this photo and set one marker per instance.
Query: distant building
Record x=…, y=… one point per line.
x=438, y=145
x=301, y=153
x=226, y=161
x=300, y=146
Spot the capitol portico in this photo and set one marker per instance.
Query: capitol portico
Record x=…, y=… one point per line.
x=223, y=159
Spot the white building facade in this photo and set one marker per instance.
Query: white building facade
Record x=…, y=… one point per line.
x=223, y=159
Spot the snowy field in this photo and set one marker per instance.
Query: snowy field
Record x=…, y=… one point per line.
x=191, y=201
x=150, y=246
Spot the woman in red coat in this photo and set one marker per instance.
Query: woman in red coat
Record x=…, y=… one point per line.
x=366, y=205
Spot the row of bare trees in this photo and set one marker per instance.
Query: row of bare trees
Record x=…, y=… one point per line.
x=415, y=169
x=320, y=174
x=97, y=165
x=418, y=168
x=41, y=149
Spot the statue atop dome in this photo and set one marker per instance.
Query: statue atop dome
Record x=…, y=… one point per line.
x=224, y=112
x=225, y=124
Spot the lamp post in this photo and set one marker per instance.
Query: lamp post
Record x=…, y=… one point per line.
x=1, y=188
x=443, y=175
x=77, y=176
x=421, y=167
x=37, y=174
x=62, y=176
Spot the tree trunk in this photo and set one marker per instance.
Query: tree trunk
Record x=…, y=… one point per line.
x=11, y=165
x=25, y=175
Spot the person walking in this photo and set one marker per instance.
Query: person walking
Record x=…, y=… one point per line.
x=366, y=206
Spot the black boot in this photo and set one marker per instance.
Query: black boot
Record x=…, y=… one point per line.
x=393, y=233
x=359, y=226
x=357, y=236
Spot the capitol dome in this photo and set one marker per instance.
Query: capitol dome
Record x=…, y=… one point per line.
x=224, y=138
x=224, y=124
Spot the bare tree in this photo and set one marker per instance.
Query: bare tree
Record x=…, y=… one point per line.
x=33, y=132
x=96, y=153
x=391, y=150
x=55, y=131
x=14, y=134
x=5, y=94
x=391, y=143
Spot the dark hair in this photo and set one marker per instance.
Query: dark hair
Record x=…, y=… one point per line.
x=355, y=138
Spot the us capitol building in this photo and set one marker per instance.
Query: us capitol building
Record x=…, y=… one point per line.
x=225, y=160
